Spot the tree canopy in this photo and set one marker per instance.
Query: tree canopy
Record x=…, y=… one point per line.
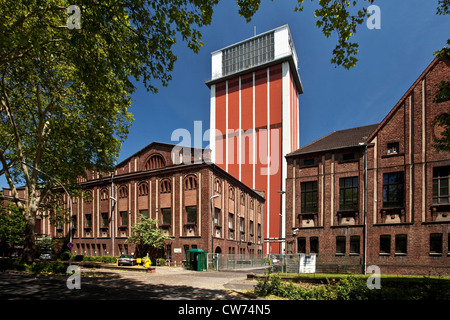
x=65, y=92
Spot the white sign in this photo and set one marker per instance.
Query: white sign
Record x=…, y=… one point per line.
x=307, y=263
x=176, y=250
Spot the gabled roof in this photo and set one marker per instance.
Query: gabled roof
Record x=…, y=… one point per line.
x=407, y=93
x=154, y=144
x=338, y=140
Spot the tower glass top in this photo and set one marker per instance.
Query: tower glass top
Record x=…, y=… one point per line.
x=244, y=55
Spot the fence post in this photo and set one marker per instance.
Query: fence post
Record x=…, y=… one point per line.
x=217, y=262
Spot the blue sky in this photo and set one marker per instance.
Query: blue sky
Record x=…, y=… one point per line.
x=390, y=60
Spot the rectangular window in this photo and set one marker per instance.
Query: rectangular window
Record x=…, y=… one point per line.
x=124, y=218
x=393, y=190
x=230, y=221
x=216, y=217
x=392, y=148
x=166, y=214
x=340, y=245
x=309, y=197
x=400, y=243
x=436, y=243
x=348, y=156
x=314, y=245
x=355, y=244
x=247, y=54
x=348, y=193
x=308, y=162
x=385, y=244
x=191, y=213
x=441, y=177
x=301, y=245
x=88, y=221
x=144, y=213
x=105, y=218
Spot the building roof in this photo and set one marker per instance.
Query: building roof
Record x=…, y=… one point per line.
x=281, y=56
x=407, y=93
x=206, y=163
x=338, y=140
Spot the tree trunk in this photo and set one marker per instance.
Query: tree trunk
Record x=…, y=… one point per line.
x=29, y=244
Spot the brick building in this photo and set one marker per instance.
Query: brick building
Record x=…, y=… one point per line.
x=378, y=194
x=198, y=204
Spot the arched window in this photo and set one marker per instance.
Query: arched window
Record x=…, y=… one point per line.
x=143, y=189
x=242, y=199
x=104, y=194
x=217, y=186
x=88, y=196
x=231, y=193
x=155, y=161
x=166, y=186
x=123, y=192
x=190, y=183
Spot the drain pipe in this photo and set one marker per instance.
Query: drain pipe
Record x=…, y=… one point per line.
x=365, y=209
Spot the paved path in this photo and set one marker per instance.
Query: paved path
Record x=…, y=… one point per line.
x=104, y=284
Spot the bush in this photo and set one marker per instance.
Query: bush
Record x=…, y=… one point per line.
x=353, y=287
x=65, y=256
x=55, y=267
x=161, y=262
x=349, y=288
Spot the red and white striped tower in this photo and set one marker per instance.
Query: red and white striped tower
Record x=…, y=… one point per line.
x=255, y=118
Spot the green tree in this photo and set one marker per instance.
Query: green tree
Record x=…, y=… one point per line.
x=147, y=237
x=65, y=93
x=12, y=228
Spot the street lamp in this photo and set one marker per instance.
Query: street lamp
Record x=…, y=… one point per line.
x=70, y=203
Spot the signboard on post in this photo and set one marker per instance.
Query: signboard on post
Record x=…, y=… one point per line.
x=307, y=263
x=70, y=245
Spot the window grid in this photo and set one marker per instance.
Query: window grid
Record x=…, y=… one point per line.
x=348, y=195
x=393, y=190
x=441, y=177
x=248, y=54
x=309, y=197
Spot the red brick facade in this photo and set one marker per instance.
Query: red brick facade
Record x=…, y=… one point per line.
x=408, y=212
x=153, y=184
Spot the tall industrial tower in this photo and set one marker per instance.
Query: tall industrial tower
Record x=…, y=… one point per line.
x=255, y=119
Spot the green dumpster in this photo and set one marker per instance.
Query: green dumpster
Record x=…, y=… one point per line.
x=196, y=259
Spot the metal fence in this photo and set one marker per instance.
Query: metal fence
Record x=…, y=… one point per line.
x=289, y=263
x=218, y=261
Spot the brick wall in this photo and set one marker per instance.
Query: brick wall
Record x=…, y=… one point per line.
x=408, y=133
